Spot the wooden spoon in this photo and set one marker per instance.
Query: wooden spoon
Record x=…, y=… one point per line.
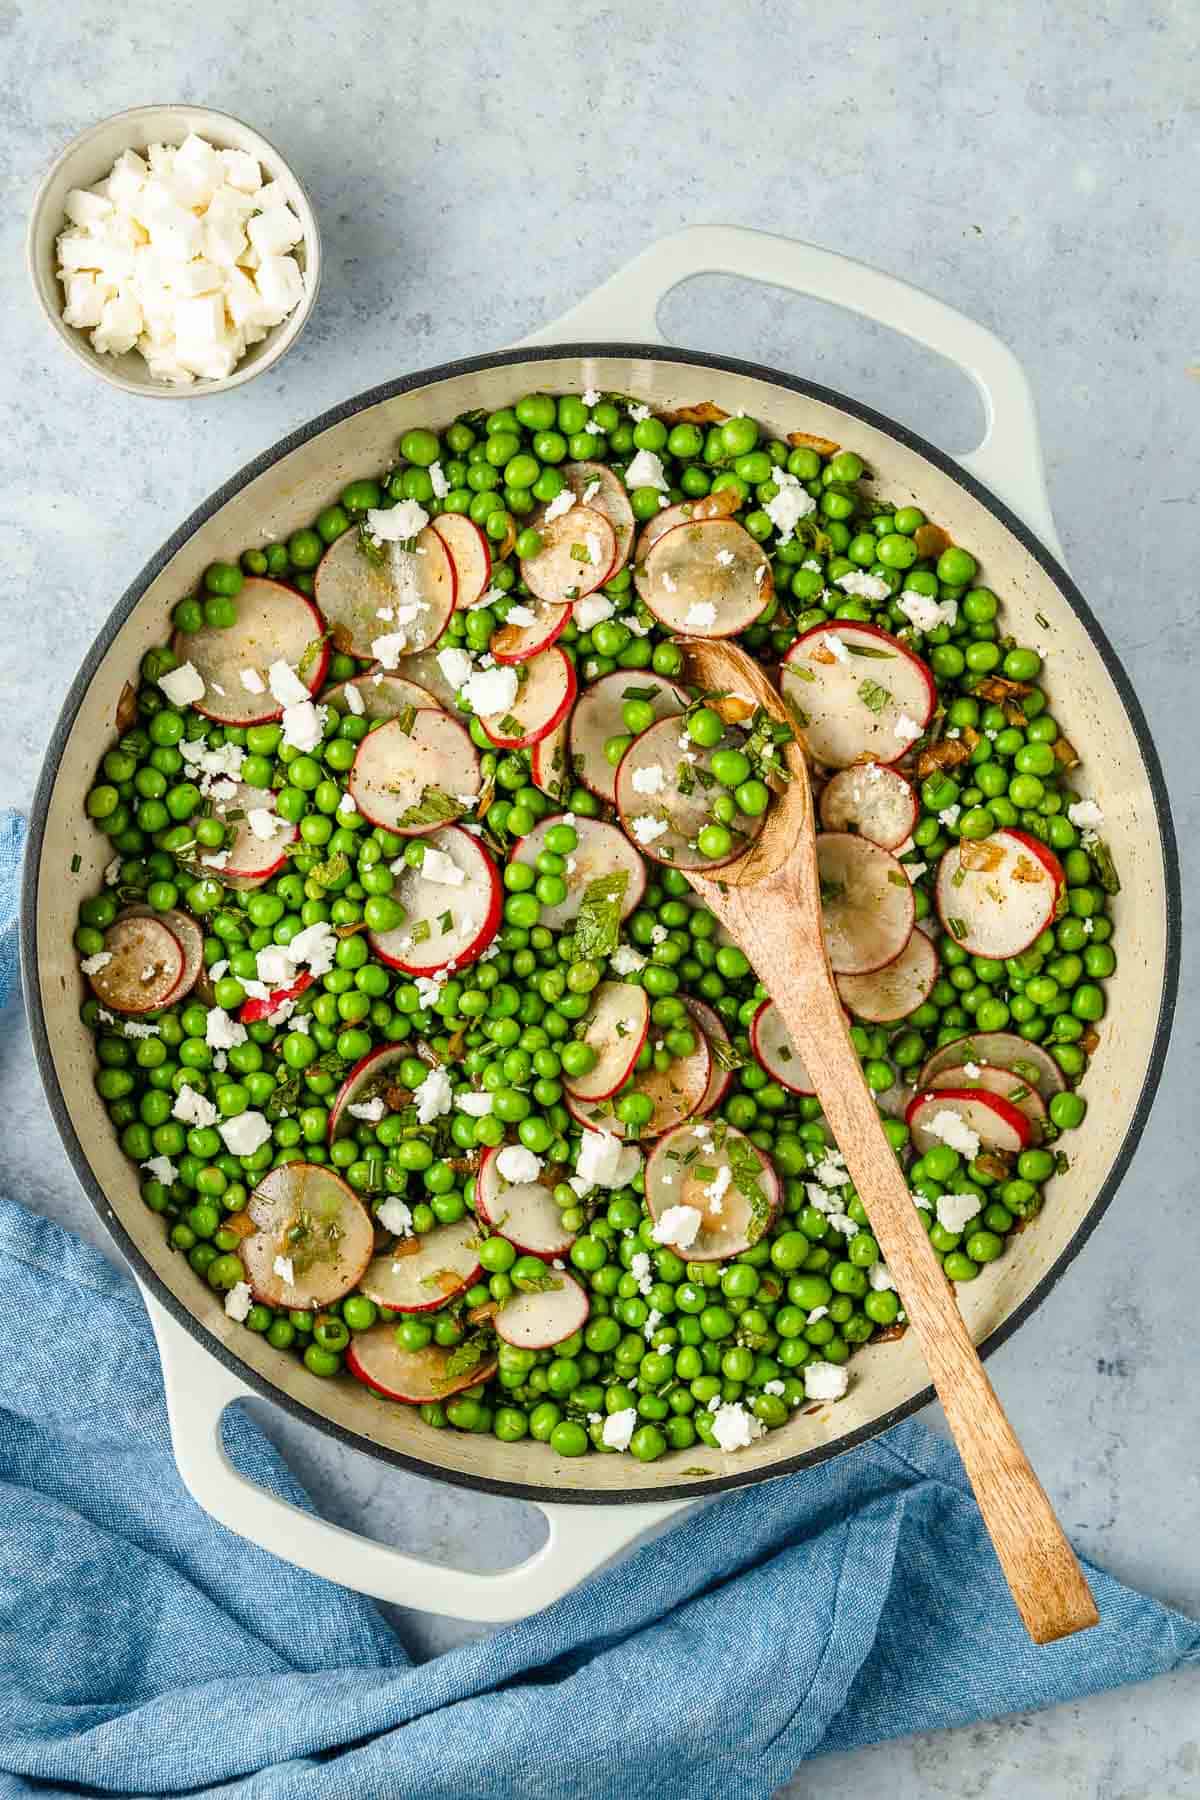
x=769, y=900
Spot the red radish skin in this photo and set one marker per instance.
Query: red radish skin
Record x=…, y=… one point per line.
x=824, y=693
x=601, y=850
x=897, y=989
x=666, y=519
x=249, y=861
x=145, y=968
x=597, y=717
x=677, y=1093
x=541, y=704
x=394, y=769
x=713, y=1027
x=274, y=624
x=420, y=1275
x=996, y=1122
x=595, y=484
x=728, y=1226
x=1010, y=1087
x=616, y=1030
x=776, y=1052
x=518, y=643
x=996, y=895
x=471, y=555
x=330, y=1254
x=872, y=799
x=413, y=1377
x=713, y=564
x=555, y=574
x=354, y=592
x=548, y=762
x=1002, y=1050
x=475, y=909
x=524, y=1211
x=254, y=1011
x=367, y=1078
x=189, y=937
x=867, y=905
x=423, y=670
x=542, y=1319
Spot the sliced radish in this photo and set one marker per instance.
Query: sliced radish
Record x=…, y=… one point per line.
x=682, y=806
x=996, y=1122
x=367, y=1080
x=1010, y=1087
x=857, y=692
x=419, y=1274
x=601, y=850
x=707, y=579
x=253, y=1012
x=867, y=906
x=536, y=1321
x=719, y=1075
x=676, y=1092
x=578, y=551
x=1002, y=1050
x=308, y=1218
x=771, y=1042
x=249, y=860
x=145, y=966
x=684, y=1170
x=364, y=599
x=415, y=1377
x=424, y=669
x=517, y=643
x=189, y=936
x=381, y=696
x=445, y=923
x=995, y=895
x=543, y=701
x=597, y=717
x=548, y=762
x=873, y=800
x=895, y=990
x=274, y=624
x=666, y=519
x=616, y=1030
x=413, y=781
x=594, y=1115
x=525, y=1211
x=596, y=485
x=470, y=553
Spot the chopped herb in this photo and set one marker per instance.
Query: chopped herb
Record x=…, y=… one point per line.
x=622, y=1029
x=1061, y=1162
x=747, y=1178
x=704, y=776
x=873, y=696
x=869, y=650
x=571, y=593
x=1106, y=869
x=685, y=780
x=831, y=890
x=648, y=694
x=804, y=674
x=958, y=877
x=511, y=727
x=433, y=808
x=725, y=1054
x=705, y=1172
x=579, y=553
x=897, y=879
x=406, y=718
x=598, y=926
x=308, y=660
x=420, y=931
x=958, y=927
x=543, y=1282
x=466, y=1356
x=76, y=863
x=1042, y=620
x=1027, y=1071
x=334, y=869
x=784, y=1052
x=1018, y=1093
x=445, y=921
x=368, y=547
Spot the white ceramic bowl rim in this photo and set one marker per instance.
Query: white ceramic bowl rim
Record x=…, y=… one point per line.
x=1172, y=904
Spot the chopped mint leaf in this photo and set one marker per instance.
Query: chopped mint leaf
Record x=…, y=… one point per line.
x=598, y=926
x=874, y=697
x=433, y=808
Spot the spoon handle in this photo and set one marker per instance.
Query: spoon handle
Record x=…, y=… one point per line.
x=1042, y=1571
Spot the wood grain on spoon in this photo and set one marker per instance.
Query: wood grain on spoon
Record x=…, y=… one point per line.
x=769, y=899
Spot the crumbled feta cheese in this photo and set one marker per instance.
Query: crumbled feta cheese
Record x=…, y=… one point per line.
x=397, y=524
x=790, y=503
x=645, y=829
x=718, y=1189
x=303, y=726
x=161, y=1169
x=370, y=1110
x=925, y=613
x=92, y=965
x=734, y=1428
x=112, y=872
x=476, y=1106
x=183, y=685
x=395, y=1216
x=842, y=1222
x=245, y=1134
x=517, y=1164
x=971, y=1069
x=650, y=780
x=441, y=485
x=773, y=1387
x=950, y=1128
x=193, y=1109
x=817, y=1313
x=906, y=729
x=216, y=859
x=429, y=987
x=604, y=1161
x=659, y=935
x=591, y=541
x=286, y=685
x=678, y=1226
x=221, y=1032
x=433, y=1097
x=638, y=412
x=880, y=1277
x=490, y=692
x=525, y=615
x=955, y=1211
x=590, y=396
x=238, y=1301
x=825, y=1380
x=671, y=585
x=866, y=587
x=316, y=945
x=625, y=960
x=592, y=610
x=914, y=871
x=562, y=503
x=619, y=1428
x=725, y=558
x=646, y=470
x=639, y=1268
x=836, y=648
x=949, y=815
x=437, y=867
x=1085, y=814
x=282, y=1266
x=700, y=615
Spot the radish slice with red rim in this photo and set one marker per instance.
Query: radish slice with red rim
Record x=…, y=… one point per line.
x=707, y=579
x=1010, y=1087
x=445, y=922
x=578, y=551
x=664, y=821
x=772, y=1044
x=425, y=671
x=520, y=638
x=380, y=696
x=316, y=1228
x=255, y=854
x=543, y=700
x=616, y=1029
x=368, y=1080
x=254, y=1011
x=596, y=485
x=188, y=935
x=420, y=1274
x=597, y=717
x=414, y=1377
x=538, y=1320
x=666, y=519
x=895, y=990
x=470, y=553
x=857, y=692
x=676, y=1092
x=1001, y=1050
x=407, y=592
x=274, y=624
x=733, y=1188
x=548, y=763
x=412, y=781
x=601, y=850
x=595, y=1115
x=995, y=895
x=940, y=1117
x=867, y=906
x=524, y=1211
x=144, y=969
x=873, y=800
x=720, y=1046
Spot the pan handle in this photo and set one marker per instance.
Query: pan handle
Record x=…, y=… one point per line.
x=625, y=309
x=199, y=1388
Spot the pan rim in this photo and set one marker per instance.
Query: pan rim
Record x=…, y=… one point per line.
x=536, y=1492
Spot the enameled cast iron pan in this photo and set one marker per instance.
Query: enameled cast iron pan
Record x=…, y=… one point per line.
x=995, y=502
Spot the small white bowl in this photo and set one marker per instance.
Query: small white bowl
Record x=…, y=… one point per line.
x=88, y=159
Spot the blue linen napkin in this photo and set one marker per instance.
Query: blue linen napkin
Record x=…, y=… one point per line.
x=145, y=1650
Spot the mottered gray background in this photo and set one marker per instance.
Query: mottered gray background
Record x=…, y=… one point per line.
x=475, y=173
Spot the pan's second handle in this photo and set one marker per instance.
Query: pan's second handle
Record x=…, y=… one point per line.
x=625, y=309
x=199, y=1388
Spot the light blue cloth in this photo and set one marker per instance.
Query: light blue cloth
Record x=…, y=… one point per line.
x=145, y=1651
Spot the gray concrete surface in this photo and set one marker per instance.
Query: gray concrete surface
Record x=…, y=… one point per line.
x=476, y=173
